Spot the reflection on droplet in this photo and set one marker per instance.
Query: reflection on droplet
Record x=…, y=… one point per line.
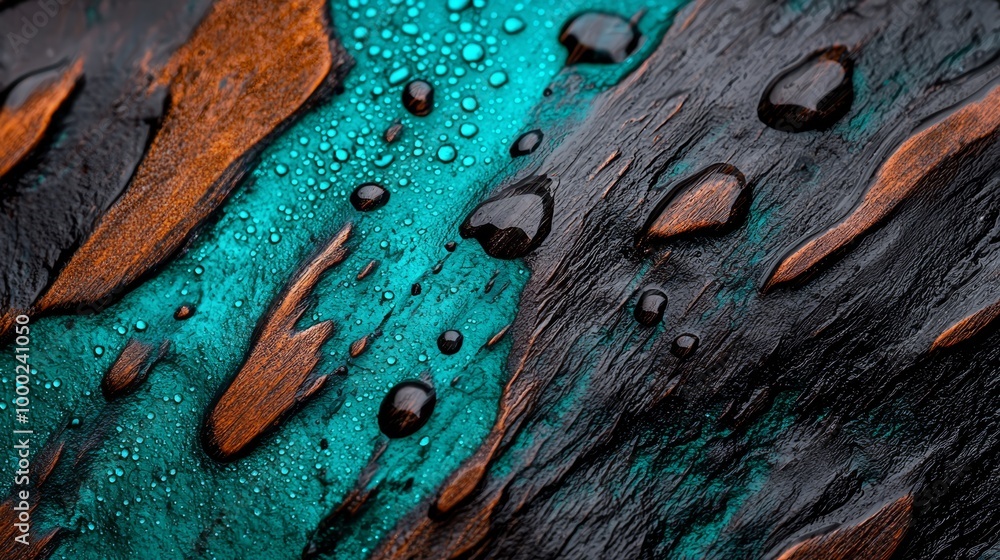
x=393, y=132
x=649, y=308
x=369, y=196
x=450, y=342
x=684, y=345
x=406, y=408
x=183, y=312
x=513, y=25
x=418, y=98
x=526, y=143
x=714, y=200
x=599, y=38
x=515, y=221
x=813, y=95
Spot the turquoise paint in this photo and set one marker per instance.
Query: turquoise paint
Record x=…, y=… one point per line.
x=151, y=491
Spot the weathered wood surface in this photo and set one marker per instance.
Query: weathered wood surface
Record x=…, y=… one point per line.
x=599, y=402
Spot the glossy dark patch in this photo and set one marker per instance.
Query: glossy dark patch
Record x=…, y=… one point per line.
x=418, y=98
x=515, y=221
x=369, y=196
x=406, y=408
x=684, y=346
x=813, y=95
x=526, y=143
x=450, y=342
x=599, y=38
x=649, y=308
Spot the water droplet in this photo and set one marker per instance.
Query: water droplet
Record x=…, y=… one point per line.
x=406, y=408
x=98, y=351
x=684, y=345
x=281, y=169
x=513, y=25
x=415, y=290
x=140, y=325
x=450, y=342
x=714, y=200
x=274, y=237
x=418, y=98
x=399, y=75
x=369, y=196
x=450, y=246
x=473, y=52
x=458, y=5
x=393, y=132
x=599, y=38
x=526, y=143
x=468, y=130
x=470, y=104
x=649, y=308
x=185, y=311
x=515, y=221
x=447, y=153
x=813, y=95
x=498, y=78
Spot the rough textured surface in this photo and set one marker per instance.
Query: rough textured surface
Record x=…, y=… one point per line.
x=25, y=115
x=130, y=370
x=228, y=93
x=775, y=412
x=875, y=538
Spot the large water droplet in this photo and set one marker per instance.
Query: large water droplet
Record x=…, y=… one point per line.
x=406, y=408
x=515, y=221
x=649, y=308
x=369, y=196
x=450, y=342
x=599, y=38
x=526, y=143
x=418, y=98
x=812, y=95
x=714, y=200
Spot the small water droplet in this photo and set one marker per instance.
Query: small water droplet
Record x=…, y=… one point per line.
x=447, y=153
x=418, y=98
x=468, y=130
x=470, y=104
x=281, y=169
x=140, y=325
x=369, y=196
x=406, y=408
x=599, y=38
x=498, y=78
x=450, y=342
x=684, y=345
x=649, y=308
x=393, y=132
x=185, y=311
x=98, y=351
x=513, y=25
x=473, y=52
x=515, y=221
x=415, y=290
x=274, y=237
x=526, y=143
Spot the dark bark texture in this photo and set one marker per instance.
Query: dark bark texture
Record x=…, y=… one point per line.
x=813, y=406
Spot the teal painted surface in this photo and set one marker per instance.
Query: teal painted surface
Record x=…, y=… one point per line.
x=151, y=492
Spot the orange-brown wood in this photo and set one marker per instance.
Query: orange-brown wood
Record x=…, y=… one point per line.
x=23, y=121
x=278, y=371
x=968, y=327
x=711, y=201
x=131, y=368
x=249, y=68
x=39, y=545
x=875, y=538
x=902, y=175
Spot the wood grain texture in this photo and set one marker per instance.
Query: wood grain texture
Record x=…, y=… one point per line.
x=40, y=544
x=968, y=327
x=278, y=372
x=23, y=121
x=597, y=413
x=229, y=92
x=713, y=200
x=131, y=368
x=915, y=165
x=875, y=538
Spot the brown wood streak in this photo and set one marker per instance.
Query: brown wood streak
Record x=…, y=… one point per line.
x=23, y=127
x=276, y=375
x=710, y=204
x=875, y=538
x=901, y=177
x=968, y=327
x=131, y=368
x=249, y=68
x=40, y=546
